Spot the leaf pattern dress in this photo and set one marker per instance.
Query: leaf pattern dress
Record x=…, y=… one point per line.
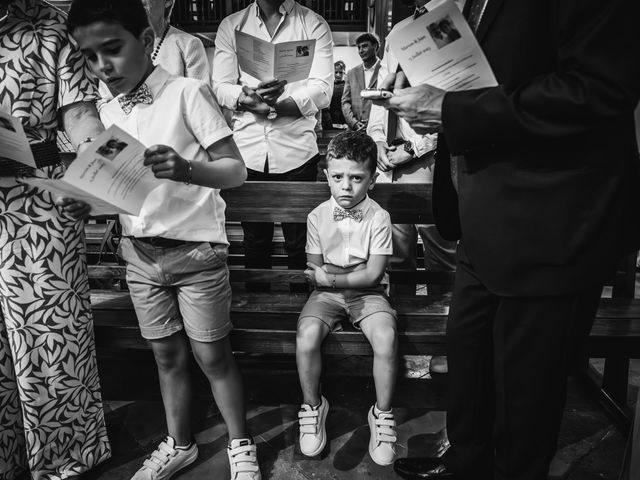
x=51, y=415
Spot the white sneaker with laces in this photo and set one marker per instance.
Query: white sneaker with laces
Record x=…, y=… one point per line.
x=382, y=444
x=313, y=435
x=243, y=460
x=166, y=461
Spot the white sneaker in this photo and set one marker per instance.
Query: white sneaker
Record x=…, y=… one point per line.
x=382, y=444
x=313, y=435
x=166, y=460
x=243, y=460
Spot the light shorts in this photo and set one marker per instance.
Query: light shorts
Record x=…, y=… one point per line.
x=331, y=306
x=181, y=287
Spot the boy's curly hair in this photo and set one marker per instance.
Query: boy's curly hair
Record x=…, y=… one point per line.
x=356, y=146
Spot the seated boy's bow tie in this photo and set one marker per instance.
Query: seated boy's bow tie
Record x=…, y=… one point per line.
x=141, y=95
x=340, y=214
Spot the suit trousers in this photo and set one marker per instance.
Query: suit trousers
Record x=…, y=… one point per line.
x=258, y=236
x=508, y=363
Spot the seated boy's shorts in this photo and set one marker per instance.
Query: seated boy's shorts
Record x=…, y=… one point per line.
x=331, y=306
x=180, y=287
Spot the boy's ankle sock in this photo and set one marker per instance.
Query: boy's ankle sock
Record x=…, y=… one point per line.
x=181, y=447
x=377, y=411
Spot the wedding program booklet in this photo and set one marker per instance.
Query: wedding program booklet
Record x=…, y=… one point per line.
x=109, y=175
x=290, y=61
x=440, y=49
x=13, y=141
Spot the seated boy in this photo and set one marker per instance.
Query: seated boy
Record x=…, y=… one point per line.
x=176, y=249
x=348, y=247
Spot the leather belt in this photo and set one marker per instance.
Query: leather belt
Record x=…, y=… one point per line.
x=46, y=154
x=162, y=242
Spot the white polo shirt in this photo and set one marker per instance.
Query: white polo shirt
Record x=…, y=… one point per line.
x=288, y=142
x=185, y=116
x=347, y=242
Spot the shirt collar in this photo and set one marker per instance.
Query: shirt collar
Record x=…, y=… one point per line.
x=377, y=62
x=363, y=205
x=285, y=8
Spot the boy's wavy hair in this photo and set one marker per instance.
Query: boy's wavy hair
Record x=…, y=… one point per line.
x=356, y=146
x=128, y=13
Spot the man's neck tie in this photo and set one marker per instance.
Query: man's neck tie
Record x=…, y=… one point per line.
x=141, y=95
x=341, y=214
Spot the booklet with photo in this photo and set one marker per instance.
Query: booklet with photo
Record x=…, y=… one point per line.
x=440, y=49
x=290, y=61
x=109, y=175
x=13, y=142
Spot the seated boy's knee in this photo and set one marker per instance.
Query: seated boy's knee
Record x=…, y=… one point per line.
x=384, y=340
x=310, y=333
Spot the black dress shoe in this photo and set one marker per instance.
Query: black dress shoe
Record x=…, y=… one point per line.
x=415, y=468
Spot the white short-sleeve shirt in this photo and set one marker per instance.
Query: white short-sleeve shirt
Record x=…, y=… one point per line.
x=347, y=243
x=184, y=115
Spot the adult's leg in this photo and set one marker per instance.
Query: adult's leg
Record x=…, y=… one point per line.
x=258, y=240
x=309, y=337
x=405, y=251
x=172, y=358
x=380, y=330
x=295, y=234
x=470, y=392
x=13, y=461
x=44, y=292
x=533, y=340
x=221, y=369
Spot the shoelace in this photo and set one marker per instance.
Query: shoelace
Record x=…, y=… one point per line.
x=159, y=457
x=308, y=420
x=244, y=459
x=385, y=428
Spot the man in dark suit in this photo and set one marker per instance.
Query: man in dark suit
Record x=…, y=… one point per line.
x=539, y=178
x=354, y=108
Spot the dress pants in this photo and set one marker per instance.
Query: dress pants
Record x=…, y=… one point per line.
x=258, y=236
x=508, y=362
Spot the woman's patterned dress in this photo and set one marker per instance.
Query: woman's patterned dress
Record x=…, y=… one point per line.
x=51, y=416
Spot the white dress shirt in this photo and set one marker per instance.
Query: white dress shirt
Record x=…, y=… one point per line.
x=347, y=243
x=368, y=73
x=288, y=141
x=377, y=126
x=183, y=54
x=185, y=116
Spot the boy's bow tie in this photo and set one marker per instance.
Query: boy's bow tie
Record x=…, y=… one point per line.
x=141, y=95
x=340, y=214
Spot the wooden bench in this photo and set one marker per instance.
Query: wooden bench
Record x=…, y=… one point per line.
x=266, y=323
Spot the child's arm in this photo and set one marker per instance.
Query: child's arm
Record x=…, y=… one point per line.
x=369, y=276
x=225, y=170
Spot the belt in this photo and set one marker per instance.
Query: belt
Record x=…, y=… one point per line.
x=162, y=242
x=46, y=154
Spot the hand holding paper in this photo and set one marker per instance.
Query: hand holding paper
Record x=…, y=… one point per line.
x=110, y=175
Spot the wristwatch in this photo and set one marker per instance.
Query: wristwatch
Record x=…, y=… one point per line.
x=273, y=114
x=408, y=147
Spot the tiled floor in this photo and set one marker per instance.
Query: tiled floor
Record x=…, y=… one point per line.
x=590, y=446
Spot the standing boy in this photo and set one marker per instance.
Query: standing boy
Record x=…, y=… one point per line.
x=348, y=247
x=176, y=249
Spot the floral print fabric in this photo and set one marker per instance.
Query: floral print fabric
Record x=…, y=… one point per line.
x=51, y=416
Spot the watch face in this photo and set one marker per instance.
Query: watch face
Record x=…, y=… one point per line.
x=408, y=147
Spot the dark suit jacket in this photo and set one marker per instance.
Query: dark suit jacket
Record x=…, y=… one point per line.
x=354, y=108
x=549, y=181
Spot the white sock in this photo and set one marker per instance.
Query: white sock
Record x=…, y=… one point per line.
x=377, y=411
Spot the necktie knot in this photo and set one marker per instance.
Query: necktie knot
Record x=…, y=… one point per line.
x=141, y=95
x=341, y=214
